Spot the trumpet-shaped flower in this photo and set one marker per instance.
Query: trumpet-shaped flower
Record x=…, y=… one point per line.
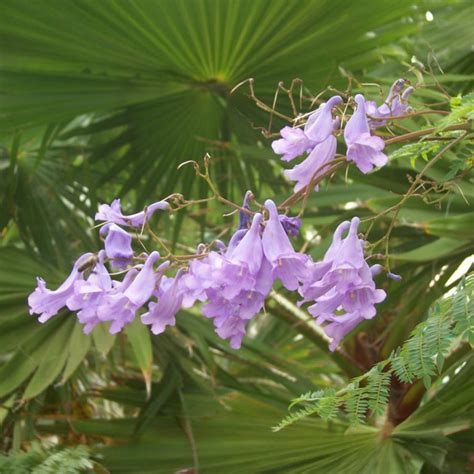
x=118, y=245
x=314, y=165
x=320, y=124
x=231, y=316
x=293, y=143
x=363, y=149
x=395, y=105
x=121, y=306
x=48, y=303
x=249, y=250
x=234, y=283
x=162, y=313
x=342, y=286
x=89, y=293
x=287, y=265
x=113, y=214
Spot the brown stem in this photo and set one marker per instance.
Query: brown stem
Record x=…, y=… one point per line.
x=426, y=131
x=411, y=114
x=316, y=179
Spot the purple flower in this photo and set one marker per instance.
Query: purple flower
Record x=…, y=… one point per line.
x=162, y=313
x=231, y=316
x=362, y=148
x=394, y=276
x=395, y=105
x=287, y=265
x=237, y=236
x=114, y=214
x=320, y=124
x=88, y=294
x=236, y=271
x=199, y=278
x=234, y=284
x=121, y=306
x=243, y=216
x=294, y=143
x=342, y=286
x=249, y=250
x=314, y=165
x=118, y=245
x=337, y=327
x=291, y=225
x=47, y=303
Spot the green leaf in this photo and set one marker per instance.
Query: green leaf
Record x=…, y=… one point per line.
x=52, y=361
x=441, y=247
x=461, y=226
x=140, y=339
x=78, y=348
x=103, y=340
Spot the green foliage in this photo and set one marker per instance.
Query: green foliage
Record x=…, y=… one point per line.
x=378, y=384
x=462, y=109
x=419, y=358
x=105, y=99
x=40, y=461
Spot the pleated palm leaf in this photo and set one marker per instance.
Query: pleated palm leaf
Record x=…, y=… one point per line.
x=105, y=99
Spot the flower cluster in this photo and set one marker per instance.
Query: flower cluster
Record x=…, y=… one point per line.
x=98, y=298
x=233, y=281
x=319, y=141
x=341, y=286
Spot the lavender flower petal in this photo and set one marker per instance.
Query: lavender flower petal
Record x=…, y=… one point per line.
x=289, y=266
x=291, y=225
x=319, y=128
x=314, y=165
x=113, y=214
x=118, y=245
x=47, y=303
x=162, y=314
x=362, y=148
x=293, y=143
x=341, y=287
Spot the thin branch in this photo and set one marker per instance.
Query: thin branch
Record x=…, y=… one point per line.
x=426, y=131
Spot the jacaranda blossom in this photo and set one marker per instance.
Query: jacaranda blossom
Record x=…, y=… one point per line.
x=320, y=124
x=315, y=164
x=47, y=303
x=294, y=142
x=234, y=282
x=341, y=287
x=395, y=105
x=287, y=265
x=88, y=294
x=363, y=149
x=230, y=316
x=162, y=313
x=291, y=225
x=120, y=307
x=113, y=214
x=118, y=245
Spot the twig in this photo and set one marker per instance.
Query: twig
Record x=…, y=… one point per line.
x=426, y=131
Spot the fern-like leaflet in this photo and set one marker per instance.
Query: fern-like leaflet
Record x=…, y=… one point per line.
x=420, y=357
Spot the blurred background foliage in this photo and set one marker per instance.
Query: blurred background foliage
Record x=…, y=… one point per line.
x=106, y=99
